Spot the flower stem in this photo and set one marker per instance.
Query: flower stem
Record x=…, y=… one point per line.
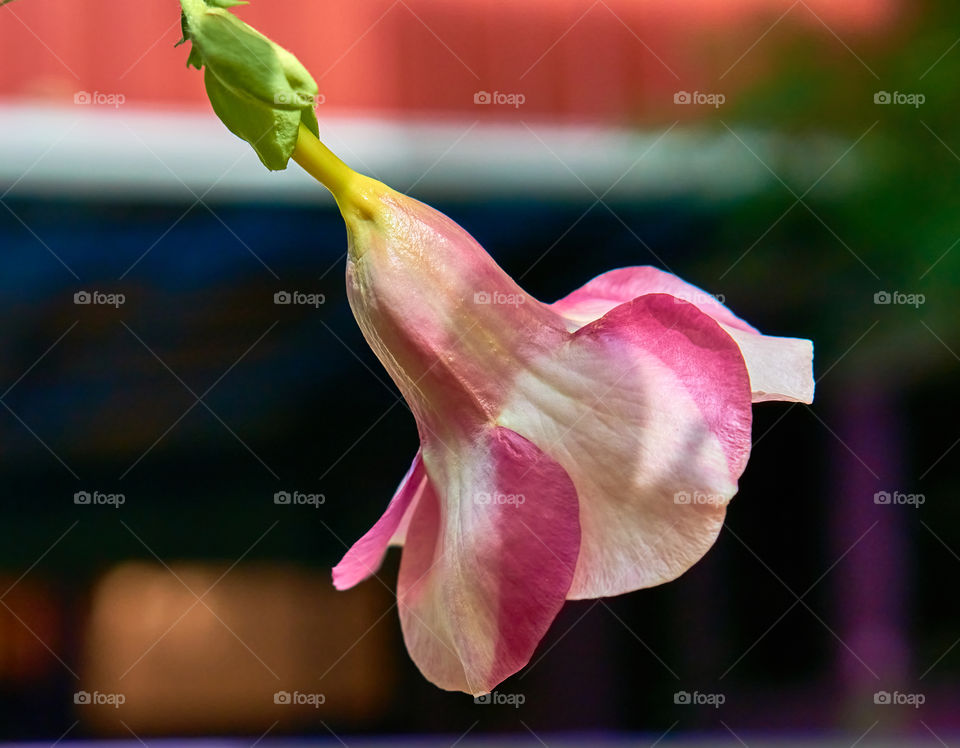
x=322, y=164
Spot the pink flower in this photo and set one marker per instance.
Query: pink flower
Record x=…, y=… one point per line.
x=574, y=450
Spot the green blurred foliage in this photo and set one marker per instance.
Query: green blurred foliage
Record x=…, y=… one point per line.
x=891, y=229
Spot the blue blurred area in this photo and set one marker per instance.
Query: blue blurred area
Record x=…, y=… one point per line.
x=199, y=285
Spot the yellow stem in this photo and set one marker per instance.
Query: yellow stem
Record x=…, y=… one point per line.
x=322, y=164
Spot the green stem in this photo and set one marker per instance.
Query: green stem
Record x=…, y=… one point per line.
x=322, y=164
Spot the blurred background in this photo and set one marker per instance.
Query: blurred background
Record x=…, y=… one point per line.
x=799, y=158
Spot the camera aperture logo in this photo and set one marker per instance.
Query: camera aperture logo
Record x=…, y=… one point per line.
x=516, y=700
x=96, y=498
x=296, y=498
x=885, y=698
x=897, y=498
x=697, y=298
x=500, y=499
x=299, y=699
x=98, y=298
x=516, y=100
x=298, y=298
x=685, y=698
x=716, y=100
x=86, y=698
x=99, y=98
x=499, y=298
x=699, y=497
x=916, y=100
x=898, y=298
x=298, y=99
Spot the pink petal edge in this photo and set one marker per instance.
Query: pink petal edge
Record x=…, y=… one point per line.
x=365, y=556
x=780, y=368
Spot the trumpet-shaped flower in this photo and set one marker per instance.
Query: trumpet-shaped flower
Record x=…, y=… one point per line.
x=572, y=450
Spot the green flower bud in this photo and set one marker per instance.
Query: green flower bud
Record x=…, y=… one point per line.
x=260, y=91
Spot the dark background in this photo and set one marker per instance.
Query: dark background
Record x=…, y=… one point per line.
x=813, y=599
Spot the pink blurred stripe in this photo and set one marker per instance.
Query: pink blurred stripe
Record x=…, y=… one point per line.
x=607, y=60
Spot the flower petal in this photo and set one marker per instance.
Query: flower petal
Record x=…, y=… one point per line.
x=780, y=368
x=365, y=556
x=644, y=408
x=412, y=481
x=448, y=324
x=489, y=558
x=598, y=296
